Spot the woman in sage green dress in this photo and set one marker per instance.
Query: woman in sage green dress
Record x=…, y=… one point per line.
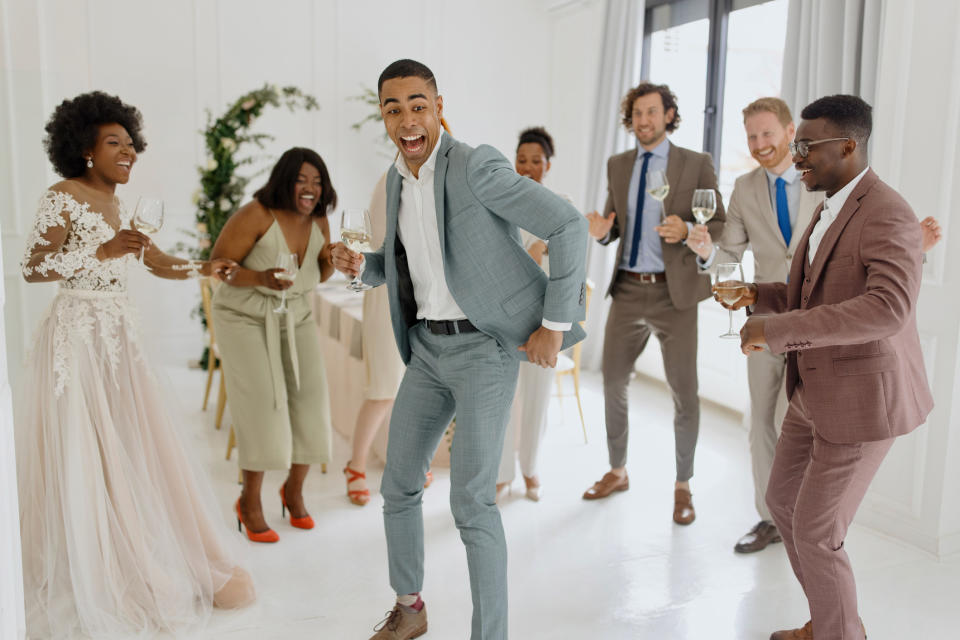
x=274, y=372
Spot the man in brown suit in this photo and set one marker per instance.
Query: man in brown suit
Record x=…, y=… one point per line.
x=855, y=375
x=656, y=283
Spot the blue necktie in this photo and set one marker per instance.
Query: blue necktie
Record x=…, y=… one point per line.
x=783, y=210
x=638, y=215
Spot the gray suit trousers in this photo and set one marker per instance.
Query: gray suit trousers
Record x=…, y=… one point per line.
x=468, y=376
x=768, y=405
x=638, y=310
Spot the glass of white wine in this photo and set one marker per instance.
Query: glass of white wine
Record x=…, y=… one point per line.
x=658, y=188
x=355, y=232
x=730, y=287
x=148, y=217
x=704, y=205
x=289, y=265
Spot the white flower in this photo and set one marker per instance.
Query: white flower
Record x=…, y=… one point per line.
x=196, y=197
x=204, y=243
x=212, y=164
x=246, y=105
x=275, y=89
x=201, y=227
x=229, y=144
x=224, y=204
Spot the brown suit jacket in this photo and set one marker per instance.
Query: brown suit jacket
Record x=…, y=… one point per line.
x=686, y=170
x=848, y=321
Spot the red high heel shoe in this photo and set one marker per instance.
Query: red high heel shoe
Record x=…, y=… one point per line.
x=359, y=497
x=306, y=522
x=264, y=536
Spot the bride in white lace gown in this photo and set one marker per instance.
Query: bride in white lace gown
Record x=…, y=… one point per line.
x=119, y=538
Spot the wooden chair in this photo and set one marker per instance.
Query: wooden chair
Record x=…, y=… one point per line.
x=213, y=355
x=570, y=366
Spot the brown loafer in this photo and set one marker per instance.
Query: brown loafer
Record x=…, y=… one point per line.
x=683, y=512
x=609, y=483
x=804, y=633
x=764, y=533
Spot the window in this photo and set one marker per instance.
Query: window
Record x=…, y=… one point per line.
x=717, y=56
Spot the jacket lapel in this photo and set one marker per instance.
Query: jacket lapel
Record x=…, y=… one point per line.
x=393, y=210
x=674, y=171
x=624, y=172
x=439, y=176
x=829, y=241
x=761, y=190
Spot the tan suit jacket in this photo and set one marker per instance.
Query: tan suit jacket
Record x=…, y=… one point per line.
x=686, y=170
x=751, y=220
x=848, y=321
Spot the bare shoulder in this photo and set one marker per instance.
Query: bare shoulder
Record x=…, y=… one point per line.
x=69, y=187
x=252, y=216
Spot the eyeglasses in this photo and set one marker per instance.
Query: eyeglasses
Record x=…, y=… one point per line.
x=802, y=148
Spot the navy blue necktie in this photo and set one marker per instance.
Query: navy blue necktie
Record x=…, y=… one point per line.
x=638, y=215
x=783, y=210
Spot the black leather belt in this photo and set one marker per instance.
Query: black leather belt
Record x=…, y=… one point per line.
x=449, y=327
x=647, y=278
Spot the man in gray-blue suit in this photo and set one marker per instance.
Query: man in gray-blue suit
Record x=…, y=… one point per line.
x=467, y=303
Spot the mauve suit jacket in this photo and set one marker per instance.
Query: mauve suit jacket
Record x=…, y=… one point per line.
x=848, y=321
x=686, y=170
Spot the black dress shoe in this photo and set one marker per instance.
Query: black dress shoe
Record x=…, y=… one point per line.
x=759, y=537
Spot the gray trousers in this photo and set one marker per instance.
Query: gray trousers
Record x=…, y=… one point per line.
x=766, y=373
x=468, y=376
x=638, y=310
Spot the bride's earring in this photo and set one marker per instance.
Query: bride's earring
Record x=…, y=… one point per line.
x=89, y=163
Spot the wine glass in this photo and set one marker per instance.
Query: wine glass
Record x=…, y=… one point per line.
x=704, y=205
x=658, y=188
x=730, y=288
x=288, y=263
x=148, y=217
x=355, y=232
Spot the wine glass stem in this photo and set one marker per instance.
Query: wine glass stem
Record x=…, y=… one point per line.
x=730, y=328
x=141, y=255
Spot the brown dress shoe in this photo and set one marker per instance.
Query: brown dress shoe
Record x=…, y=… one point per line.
x=401, y=625
x=683, y=512
x=804, y=633
x=609, y=483
x=764, y=533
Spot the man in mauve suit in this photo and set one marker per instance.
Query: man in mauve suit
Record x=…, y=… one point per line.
x=768, y=211
x=467, y=303
x=656, y=283
x=855, y=375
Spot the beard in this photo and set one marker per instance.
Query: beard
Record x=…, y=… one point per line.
x=772, y=160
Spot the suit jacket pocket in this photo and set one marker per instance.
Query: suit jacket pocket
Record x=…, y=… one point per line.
x=840, y=261
x=864, y=365
x=528, y=295
x=457, y=213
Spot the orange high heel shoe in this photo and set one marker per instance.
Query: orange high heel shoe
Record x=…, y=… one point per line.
x=359, y=497
x=306, y=522
x=264, y=536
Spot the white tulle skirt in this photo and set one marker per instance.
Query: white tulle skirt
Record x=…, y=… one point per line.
x=117, y=534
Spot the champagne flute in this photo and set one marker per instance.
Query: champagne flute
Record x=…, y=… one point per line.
x=658, y=188
x=730, y=288
x=355, y=232
x=288, y=263
x=148, y=217
x=704, y=205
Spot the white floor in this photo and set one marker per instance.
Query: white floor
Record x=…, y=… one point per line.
x=613, y=569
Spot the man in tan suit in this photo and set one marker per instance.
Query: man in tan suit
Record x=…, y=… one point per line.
x=855, y=375
x=656, y=283
x=768, y=211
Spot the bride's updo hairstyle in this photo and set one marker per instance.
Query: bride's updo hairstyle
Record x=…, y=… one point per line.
x=75, y=124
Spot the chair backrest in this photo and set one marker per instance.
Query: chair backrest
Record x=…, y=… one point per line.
x=206, y=296
x=577, y=348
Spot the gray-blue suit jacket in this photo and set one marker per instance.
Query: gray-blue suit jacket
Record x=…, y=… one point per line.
x=480, y=202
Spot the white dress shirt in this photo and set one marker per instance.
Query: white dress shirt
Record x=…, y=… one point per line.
x=831, y=208
x=418, y=231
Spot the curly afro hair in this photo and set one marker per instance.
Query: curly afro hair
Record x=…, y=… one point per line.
x=539, y=136
x=75, y=124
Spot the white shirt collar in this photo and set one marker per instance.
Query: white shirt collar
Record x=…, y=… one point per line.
x=835, y=203
x=429, y=165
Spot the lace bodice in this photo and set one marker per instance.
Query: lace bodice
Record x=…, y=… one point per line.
x=64, y=241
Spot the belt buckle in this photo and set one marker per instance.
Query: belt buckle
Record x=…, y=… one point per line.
x=648, y=278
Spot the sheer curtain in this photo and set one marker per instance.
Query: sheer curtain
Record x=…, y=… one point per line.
x=619, y=71
x=832, y=47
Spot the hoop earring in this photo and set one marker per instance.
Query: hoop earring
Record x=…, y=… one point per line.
x=89, y=163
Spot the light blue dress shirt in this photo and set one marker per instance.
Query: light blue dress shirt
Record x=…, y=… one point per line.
x=792, y=177
x=650, y=257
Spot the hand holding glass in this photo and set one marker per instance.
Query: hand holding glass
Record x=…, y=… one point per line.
x=288, y=263
x=730, y=288
x=658, y=188
x=148, y=217
x=355, y=232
